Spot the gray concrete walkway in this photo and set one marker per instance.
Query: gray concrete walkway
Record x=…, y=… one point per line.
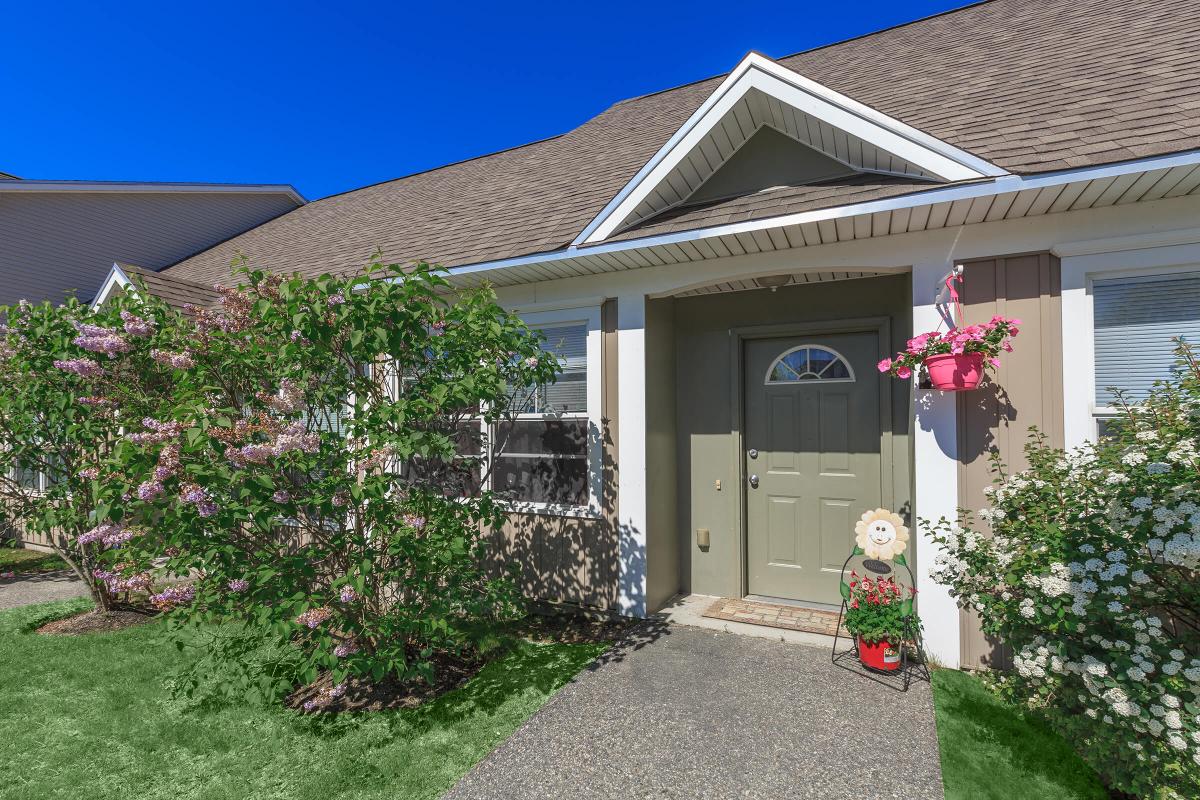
x=25, y=590
x=680, y=712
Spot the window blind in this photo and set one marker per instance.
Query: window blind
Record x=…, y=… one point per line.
x=1135, y=322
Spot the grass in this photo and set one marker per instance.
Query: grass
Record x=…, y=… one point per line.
x=90, y=716
x=20, y=561
x=992, y=751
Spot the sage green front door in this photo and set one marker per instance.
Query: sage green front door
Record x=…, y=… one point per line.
x=812, y=459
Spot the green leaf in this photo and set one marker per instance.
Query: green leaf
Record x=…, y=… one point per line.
x=858, y=551
x=900, y=559
x=845, y=590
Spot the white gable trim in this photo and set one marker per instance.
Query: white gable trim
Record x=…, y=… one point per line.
x=117, y=279
x=790, y=88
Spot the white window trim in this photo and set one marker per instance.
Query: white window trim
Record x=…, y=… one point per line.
x=1177, y=255
x=560, y=317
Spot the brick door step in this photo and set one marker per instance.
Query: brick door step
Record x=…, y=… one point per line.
x=792, y=618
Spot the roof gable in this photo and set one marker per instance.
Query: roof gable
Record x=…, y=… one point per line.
x=759, y=93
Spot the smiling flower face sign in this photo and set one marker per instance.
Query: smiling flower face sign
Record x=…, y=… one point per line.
x=881, y=534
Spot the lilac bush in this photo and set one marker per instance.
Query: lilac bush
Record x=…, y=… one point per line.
x=63, y=402
x=1089, y=572
x=316, y=477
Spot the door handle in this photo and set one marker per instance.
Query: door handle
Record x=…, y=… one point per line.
x=754, y=481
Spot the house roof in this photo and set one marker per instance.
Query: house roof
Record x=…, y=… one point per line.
x=1029, y=87
x=174, y=290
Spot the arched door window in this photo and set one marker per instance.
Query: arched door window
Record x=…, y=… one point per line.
x=809, y=362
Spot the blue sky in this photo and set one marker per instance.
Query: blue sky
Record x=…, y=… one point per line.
x=329, y=96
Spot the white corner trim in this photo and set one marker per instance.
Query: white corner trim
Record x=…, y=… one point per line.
x=1139, y=241
x=790, y=88
x=117, y=279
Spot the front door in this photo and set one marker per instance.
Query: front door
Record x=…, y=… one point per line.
x=813, y=459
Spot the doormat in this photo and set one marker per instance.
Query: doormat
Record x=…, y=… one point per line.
x=792, y=618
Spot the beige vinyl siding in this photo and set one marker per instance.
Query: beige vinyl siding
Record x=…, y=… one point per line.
x=568, y=559
x=53, y=244
x=1025, y=391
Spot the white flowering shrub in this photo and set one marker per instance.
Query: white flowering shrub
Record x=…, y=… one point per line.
x=1089, y=573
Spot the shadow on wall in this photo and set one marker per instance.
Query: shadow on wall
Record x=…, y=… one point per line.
x=577, y=559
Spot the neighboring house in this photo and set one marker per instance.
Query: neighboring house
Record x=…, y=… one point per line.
x=59, y=238
x=679, y=244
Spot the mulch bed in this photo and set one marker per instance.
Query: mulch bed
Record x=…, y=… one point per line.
x=364, y=695
x=451, y=672
x=95, y=622
x=573, y=628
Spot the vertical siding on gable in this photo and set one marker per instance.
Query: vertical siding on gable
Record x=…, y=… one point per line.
x=1025, y=391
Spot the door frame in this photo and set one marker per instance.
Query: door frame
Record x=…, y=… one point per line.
x=882, y=327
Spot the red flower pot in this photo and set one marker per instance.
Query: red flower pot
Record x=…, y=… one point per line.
x=955, y=373
x=882, y=655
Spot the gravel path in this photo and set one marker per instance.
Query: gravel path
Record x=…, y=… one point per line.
x=42, y=587
x=688, y=713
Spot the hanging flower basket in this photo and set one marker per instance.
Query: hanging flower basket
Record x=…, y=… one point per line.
x=955, y=373
x=956, y=359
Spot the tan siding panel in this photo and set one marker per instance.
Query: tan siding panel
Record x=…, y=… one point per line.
x=1024, y=392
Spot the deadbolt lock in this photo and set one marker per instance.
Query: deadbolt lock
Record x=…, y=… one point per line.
x=753, y=453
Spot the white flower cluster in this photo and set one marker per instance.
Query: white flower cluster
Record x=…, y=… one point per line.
x=1095, y=542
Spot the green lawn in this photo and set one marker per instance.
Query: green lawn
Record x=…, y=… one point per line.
x=991, y=751
x=89, y=716
x=16, y=560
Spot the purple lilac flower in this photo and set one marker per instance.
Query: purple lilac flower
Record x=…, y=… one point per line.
x=157, y=433
x=95, y=401
x=314, y=617
x=238, y=585
x=182, y=360
x=207, y=508
x=309, y=705
x=110, y=534
x=174, y=596
x=136, y=326
x=150, y=490
x=282, y=496
x=414, y=521
x=91, y=473
x=83, y=367
x=348, y=595
x=531, y=362
x=345, y=649
x=95, y=339
x=340, y=499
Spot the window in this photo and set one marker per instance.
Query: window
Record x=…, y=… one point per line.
x=545, y=457
x=809, y=362
x=1136, y=321
x=542, y=454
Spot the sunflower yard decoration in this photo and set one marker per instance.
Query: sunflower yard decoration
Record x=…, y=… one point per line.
x=878, y=596
x=881, y=534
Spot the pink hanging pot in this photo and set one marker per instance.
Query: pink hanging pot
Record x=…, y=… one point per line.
x=952, y=372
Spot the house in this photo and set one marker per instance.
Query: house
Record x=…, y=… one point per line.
x=59, y=238
x=679, y=245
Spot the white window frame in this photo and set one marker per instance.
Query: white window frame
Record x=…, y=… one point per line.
x=1082, y=265
x=558, y=318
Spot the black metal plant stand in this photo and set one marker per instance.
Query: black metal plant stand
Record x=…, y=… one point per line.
x=899, y=679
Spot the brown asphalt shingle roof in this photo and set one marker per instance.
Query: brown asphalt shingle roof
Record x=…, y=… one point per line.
x=171, y=288
x=1029, y=86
